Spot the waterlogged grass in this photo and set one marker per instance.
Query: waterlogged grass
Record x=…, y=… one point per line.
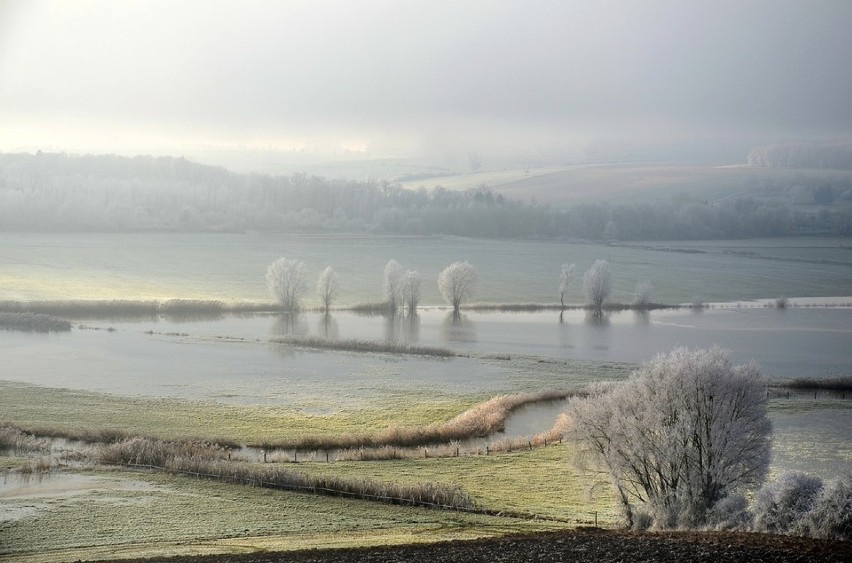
x=141, y=514
x=543, y=481
x=48, y=410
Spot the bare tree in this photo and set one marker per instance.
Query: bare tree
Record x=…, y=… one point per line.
x=565, y=279
x=392, y=285
x=642, y=297
x=597, y=283
x=411, y=291
x=327, y=287
x=682, y=433
x=457, y=282
x=286, y=281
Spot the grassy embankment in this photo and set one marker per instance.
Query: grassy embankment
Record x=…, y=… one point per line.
x=97, y=417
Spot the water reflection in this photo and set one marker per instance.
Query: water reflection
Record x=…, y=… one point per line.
x=289, y=324
x=642, y=317
x=412, y=328
x=598, y=336
x=328, y=327
x=597, y=318
x=565, y=340
x=190, y=317
x=457, y=327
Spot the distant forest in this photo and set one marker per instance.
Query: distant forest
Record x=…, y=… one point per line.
x=835, y=156
x=59, y=192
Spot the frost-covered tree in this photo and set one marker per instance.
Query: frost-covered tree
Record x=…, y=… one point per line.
x=392, y=286
x=685, y=431
x=597, y=283
x=456, y=283
x=642, y=297
x=411, y=291
x=565, y=279
x=327, y=287
x=286, y=281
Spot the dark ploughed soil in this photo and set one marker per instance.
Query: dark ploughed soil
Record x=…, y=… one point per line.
x=583, y=545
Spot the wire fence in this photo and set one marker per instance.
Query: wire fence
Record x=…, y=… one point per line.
x=319, y=490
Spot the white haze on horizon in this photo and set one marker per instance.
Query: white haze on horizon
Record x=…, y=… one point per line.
x=383, y=77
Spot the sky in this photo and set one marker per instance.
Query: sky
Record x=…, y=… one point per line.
x=415, y=77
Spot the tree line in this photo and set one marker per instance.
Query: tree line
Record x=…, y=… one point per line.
x=835, y=155
x=58, y=192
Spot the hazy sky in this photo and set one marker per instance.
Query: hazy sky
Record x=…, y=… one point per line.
x=397, y=75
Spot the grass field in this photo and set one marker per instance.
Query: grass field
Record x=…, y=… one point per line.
x=543, y=481
x=129, y=514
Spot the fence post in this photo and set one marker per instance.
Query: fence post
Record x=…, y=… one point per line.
x=326, y=456
x=264, y=455
x=487, y=450
x=530, y=443
x=295, y=456
x=425, y=453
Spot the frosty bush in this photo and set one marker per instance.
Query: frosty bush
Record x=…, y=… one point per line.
x=831, y=515
x=801, y=505
x=781, y=506
x=730, y=513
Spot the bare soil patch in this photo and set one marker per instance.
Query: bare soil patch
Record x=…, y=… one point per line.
x=581, y=545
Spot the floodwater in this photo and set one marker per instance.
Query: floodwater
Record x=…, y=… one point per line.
x=231, y=359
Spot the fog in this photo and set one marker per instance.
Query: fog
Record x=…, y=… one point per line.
x=385, y=78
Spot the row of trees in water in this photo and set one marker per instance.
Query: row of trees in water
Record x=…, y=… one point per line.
x=111, y=193
x=286, y=281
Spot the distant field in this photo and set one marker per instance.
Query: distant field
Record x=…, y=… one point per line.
x=491, y=178
x=231, y=267
x=624, y=183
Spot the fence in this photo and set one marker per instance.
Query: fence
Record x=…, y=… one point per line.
x=317, y=490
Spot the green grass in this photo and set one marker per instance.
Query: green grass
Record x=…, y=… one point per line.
x=135, y=514
x=543, y=481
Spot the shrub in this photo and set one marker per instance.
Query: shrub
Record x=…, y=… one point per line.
x=831, y=514
x=782, y=505
x=730, y=513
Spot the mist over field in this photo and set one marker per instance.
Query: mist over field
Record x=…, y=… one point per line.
x=319, y=275
x=283, y=85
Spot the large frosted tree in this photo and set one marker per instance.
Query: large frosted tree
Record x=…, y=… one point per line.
x=456, y=283
x=597, y=284
x=327, y=287
x=392, y=284
x=286, y=281
x=686, y=430
x=411, y=291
